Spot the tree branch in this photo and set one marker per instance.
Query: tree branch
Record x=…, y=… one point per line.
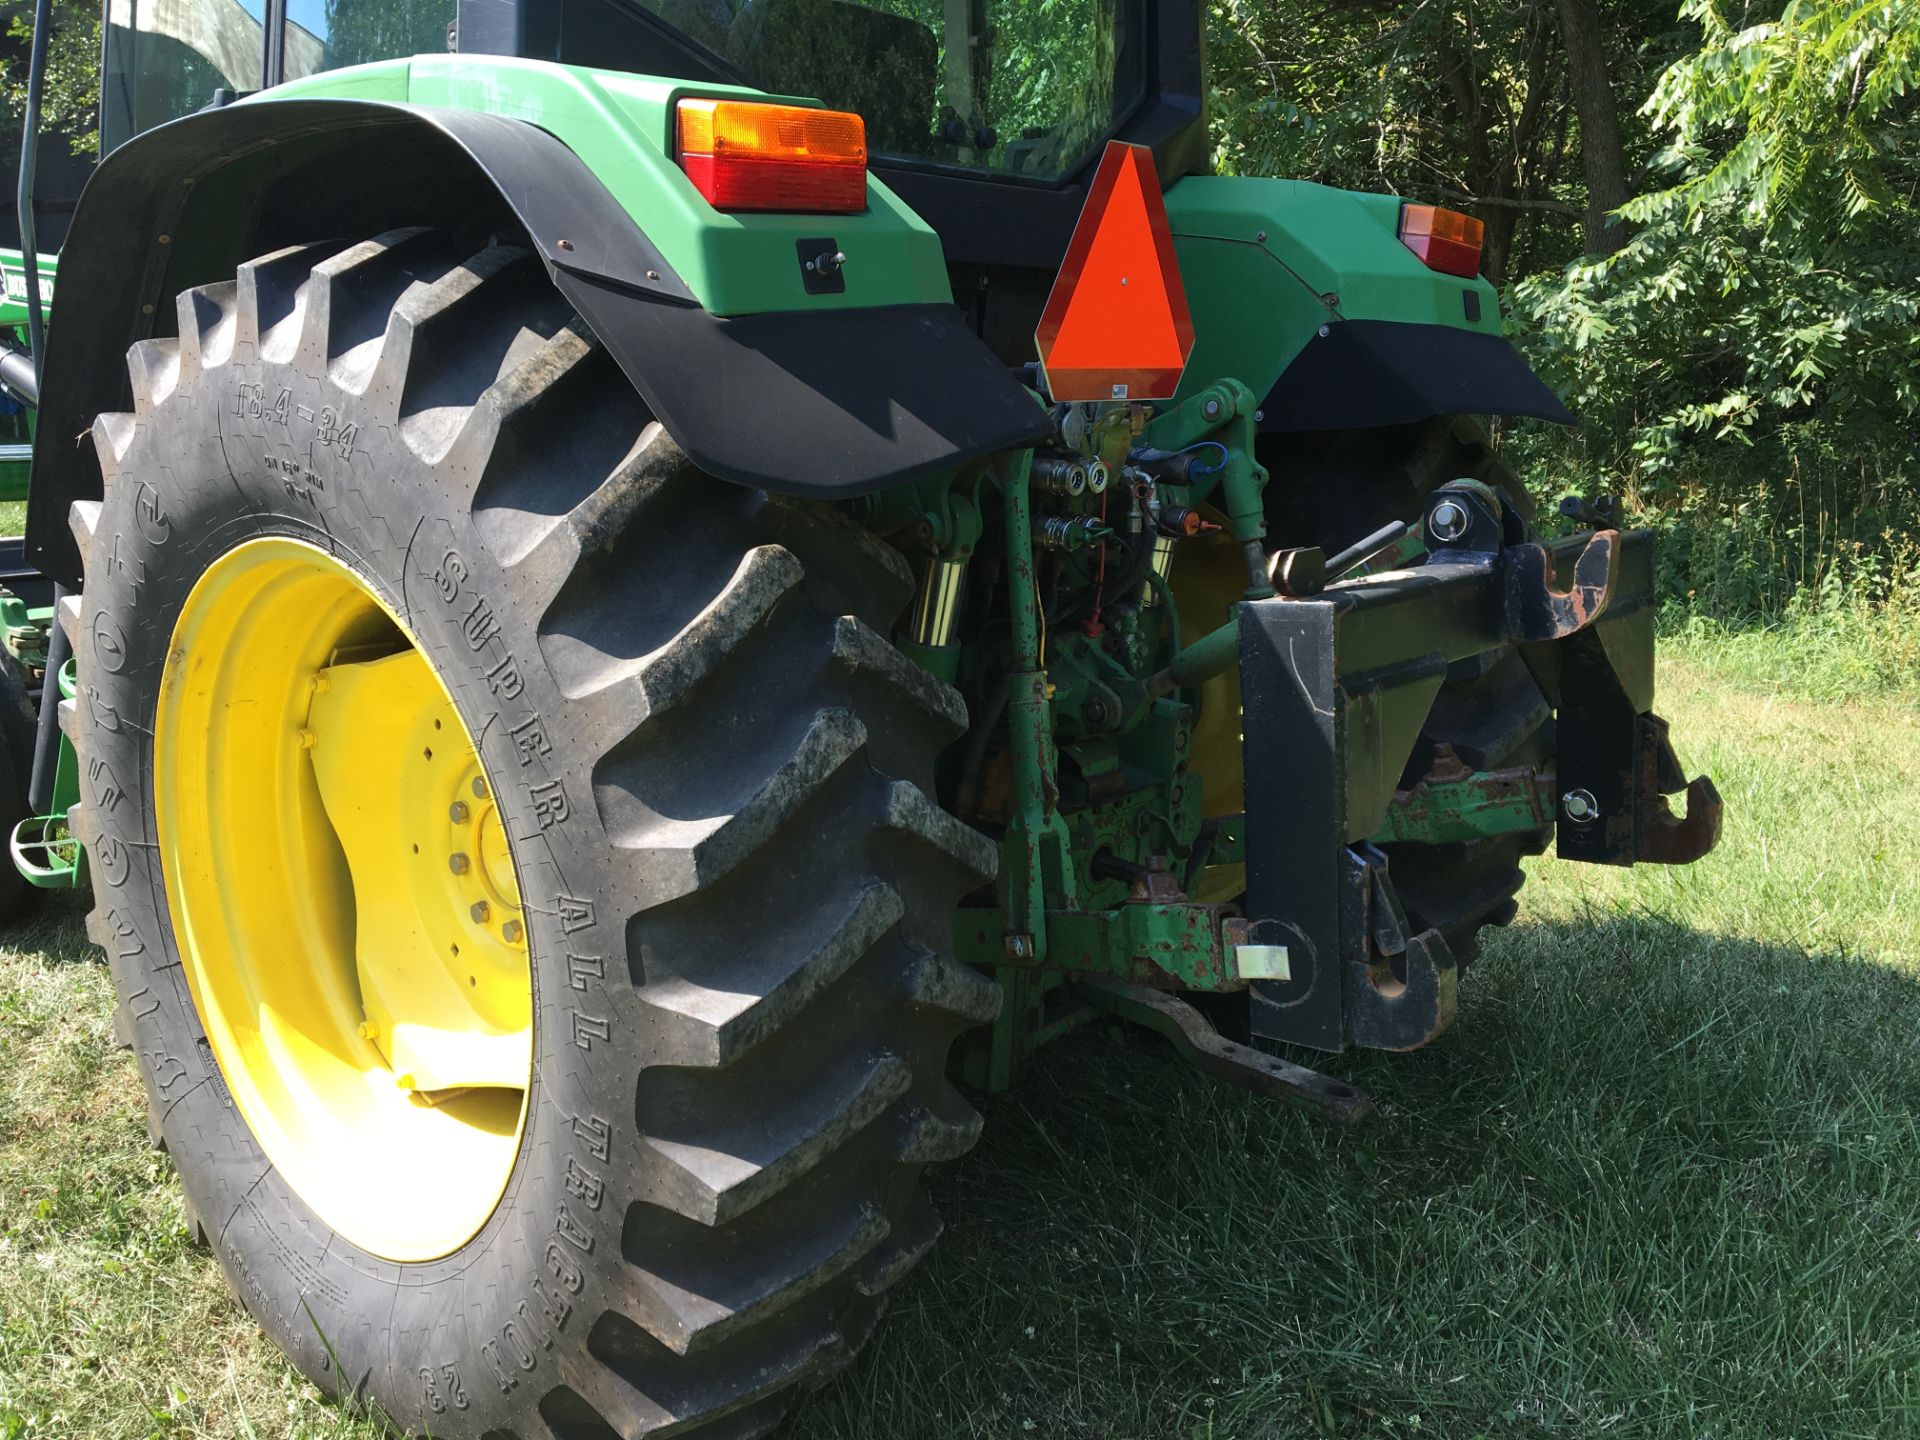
x=1560, y=207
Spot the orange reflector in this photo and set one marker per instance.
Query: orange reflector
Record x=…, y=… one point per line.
x=1445, y=239
x=743, y=155
x=1116, y=326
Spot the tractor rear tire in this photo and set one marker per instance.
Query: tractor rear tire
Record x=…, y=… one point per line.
x=714, y=772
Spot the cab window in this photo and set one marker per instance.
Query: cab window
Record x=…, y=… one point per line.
x=1023, y=87
x=165, y=58
x=327, y=34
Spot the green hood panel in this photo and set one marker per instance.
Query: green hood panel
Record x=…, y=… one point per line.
x=622, y=127
x=1268, y=262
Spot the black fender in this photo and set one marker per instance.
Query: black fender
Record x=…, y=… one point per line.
x=1358, y=374
x=828, y=404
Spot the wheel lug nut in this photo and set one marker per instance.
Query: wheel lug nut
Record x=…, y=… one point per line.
x=368, y=1030
x=307, y=738
x=511, y=932
x=479, y=788
x=480, y=912
x=457, y=812
x=458, y=863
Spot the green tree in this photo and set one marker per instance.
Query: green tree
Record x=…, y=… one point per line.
x=1804, y=122
x=1777, y=279
x=1476, y=105
x=71, y=106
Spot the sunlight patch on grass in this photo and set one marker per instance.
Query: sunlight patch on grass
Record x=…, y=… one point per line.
x=1832, y=648
x=1821, y=845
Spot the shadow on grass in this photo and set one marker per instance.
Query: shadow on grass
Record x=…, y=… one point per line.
x=52, y=923
x=1653, y=1183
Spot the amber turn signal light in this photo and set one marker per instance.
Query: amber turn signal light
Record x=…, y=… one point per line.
x=743, y=155
x=1445, y=240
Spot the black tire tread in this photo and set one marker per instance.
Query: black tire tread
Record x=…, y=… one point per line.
x=724, y=648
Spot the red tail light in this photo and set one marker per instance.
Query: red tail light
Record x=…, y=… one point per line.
x=1445, y=240
x=743, y=155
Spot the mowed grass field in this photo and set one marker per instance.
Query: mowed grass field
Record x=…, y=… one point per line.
x=1661, y=1179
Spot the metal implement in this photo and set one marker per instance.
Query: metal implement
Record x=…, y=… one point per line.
x=43, y=846
x=1207, y=1050
x=1450, y=804
x=1340, y=685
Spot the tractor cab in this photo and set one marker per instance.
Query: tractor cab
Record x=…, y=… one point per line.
x=982, y=89
x=986, y=116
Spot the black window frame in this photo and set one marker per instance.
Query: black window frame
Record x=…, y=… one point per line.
x=273, y=65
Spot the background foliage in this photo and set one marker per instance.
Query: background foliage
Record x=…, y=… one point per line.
x=1701, y=214
x=1741, y=341
x=72, y=104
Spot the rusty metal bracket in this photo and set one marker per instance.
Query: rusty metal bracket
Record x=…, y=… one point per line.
x=1669, y=839
x=1666, y=838
x=1402, y=986
x=1207, y=1050
x=1179, y=945
x=1537, y=609
x=1451, y=803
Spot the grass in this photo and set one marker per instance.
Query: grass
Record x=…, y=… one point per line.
x=1831, y=646
x=1662, y=1178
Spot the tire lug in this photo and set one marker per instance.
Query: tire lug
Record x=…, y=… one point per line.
x=479, y=787
x=481, y=912
x=307, y=738
x=458, y=863
x=511, y=932
x=457, y=812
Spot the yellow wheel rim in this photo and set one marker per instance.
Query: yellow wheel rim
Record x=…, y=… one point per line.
x=344, y=899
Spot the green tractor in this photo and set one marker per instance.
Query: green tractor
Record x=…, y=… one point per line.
x=608, y=672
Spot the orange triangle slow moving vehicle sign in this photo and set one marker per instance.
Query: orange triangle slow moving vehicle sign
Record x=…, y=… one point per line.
x=1116, y=326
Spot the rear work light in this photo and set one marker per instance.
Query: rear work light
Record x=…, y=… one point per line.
x=1445, y=239
x=747, y=156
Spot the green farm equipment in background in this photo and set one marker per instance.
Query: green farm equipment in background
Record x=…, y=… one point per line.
x=639, y=569
x=44, y=853
x=16, y=414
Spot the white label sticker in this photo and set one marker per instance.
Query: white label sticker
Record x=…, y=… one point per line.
x=1262, y=962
